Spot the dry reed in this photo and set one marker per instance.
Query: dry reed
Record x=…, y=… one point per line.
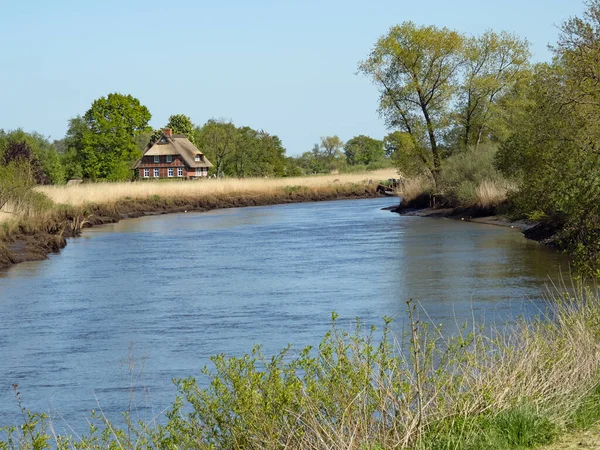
x=492, y=193
x=106, y=193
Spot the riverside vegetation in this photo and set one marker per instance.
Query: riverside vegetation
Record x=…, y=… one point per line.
x=480, y=127
x=473, y=125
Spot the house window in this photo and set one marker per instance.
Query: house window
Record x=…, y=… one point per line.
x=157, y=159
x=199, y=172
x=170, y=172
x=180, y=171
x=146, y=173
x=156, y=173
x=169, y=158
x=197, y=158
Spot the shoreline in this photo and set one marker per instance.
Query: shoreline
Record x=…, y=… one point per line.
x=471, y=215
x=543, y=233
x=36, y=244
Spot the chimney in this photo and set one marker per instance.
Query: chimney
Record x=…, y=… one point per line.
x=168, y=132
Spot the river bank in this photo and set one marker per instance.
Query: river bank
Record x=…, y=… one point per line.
x=535, y=231
x=33, y=240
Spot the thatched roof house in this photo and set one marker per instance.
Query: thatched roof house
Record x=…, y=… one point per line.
x=172, y=156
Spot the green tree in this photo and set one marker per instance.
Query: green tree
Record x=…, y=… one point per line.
x=36, y=149
x=493, y=65
x=554, y=154
x=182, y=124
x=331, y=147
x=218, y=139
x=416, y=69
x=363, y=150
x=106, y=146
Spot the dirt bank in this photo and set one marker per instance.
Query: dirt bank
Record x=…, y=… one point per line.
x=542, y=233
x=35, y=241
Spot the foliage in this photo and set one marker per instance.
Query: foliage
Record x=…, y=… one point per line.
x=554, y=154
x=410, y=158
x=463, y=172
x=363, y=150
x=217, y=138
x=415, y=68
x=102, y=143
x=493, y=65
x=42, y=159
x=182, y=124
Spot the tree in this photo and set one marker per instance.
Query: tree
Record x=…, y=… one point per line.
x=106, y=145
x=331, y=147
x=36, y=150
x=554, y=155
x=493, y=65
x=217, y=139
x=182, y=124
x=363, y=150
x=416, y=70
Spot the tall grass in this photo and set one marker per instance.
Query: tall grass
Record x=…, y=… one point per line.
x=105, y=193
x=363, y=390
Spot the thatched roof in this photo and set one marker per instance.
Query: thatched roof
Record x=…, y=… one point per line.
x=177, y=144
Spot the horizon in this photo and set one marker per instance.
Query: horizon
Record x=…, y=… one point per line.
x=258, y=65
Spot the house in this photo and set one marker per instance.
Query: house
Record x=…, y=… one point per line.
x=172, y=156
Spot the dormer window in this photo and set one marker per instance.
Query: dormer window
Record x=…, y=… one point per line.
x=169, y=158
x=198, y=158
x=157, y=159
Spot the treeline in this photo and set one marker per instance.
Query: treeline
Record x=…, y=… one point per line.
x=104, y=142
x=469, y=110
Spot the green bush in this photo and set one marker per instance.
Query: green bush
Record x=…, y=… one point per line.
x=463, y=172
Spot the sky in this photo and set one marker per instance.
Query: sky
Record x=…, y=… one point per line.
x=287, y=67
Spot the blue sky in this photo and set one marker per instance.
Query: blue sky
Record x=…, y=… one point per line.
x=288, y=67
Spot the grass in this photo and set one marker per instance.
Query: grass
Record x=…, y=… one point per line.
x=104, y=193
x=365, y=389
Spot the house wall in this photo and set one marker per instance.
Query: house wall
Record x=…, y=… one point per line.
x=163, y=172
x=192, y=172
x=148, y=161
x=163, y=166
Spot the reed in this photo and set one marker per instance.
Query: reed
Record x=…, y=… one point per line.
x=105, y=193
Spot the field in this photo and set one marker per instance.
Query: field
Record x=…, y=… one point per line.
x=104, y=193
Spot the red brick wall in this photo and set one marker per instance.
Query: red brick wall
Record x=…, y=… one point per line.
x=163, y=172
x=148, y=161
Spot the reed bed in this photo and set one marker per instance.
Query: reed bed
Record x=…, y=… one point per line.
x=106, y=193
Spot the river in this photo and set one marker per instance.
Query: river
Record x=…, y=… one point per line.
x=185, y=286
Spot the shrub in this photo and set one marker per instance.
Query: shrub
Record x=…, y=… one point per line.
x=469, y=178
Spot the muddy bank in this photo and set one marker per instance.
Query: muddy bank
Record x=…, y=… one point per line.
x=542, y=233
x=35, y=241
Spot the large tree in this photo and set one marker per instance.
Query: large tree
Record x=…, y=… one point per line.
x=363, y=150
x=331, y=146
x=416, y=69
x=218, y=139
x=106, y=145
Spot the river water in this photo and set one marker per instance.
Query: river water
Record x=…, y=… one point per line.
x=183, y=287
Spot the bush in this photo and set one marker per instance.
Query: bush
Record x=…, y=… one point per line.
x=469, y=178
